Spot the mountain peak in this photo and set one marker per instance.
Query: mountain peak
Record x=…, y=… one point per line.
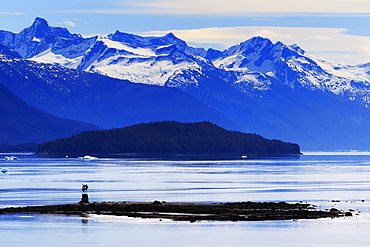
x=39, y=29
x=40, y=25
x=126, y=38
x=249, y=46
x=296, y=48
x=170, y=36
x=259, y=39
x=40, y=21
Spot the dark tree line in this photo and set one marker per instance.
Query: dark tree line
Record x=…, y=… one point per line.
x=167, y=138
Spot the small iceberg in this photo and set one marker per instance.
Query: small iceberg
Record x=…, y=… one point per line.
x=87, y=157
x=5, y=170
x=11, y=158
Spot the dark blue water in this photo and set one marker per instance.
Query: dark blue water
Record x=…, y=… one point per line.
x=317, y=179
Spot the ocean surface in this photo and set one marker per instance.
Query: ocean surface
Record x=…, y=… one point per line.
x=340, y=180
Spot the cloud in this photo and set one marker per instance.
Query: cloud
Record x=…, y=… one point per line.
x=67, y=23
x=12, y=13
x=366, y=49
x=268, y=33
x=228, y=8
x=217, y=7
x=330, y=43
x=320, y=37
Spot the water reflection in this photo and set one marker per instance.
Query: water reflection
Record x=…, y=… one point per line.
x=84, y=220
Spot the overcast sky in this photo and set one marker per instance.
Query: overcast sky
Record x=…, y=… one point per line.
x=338, y=30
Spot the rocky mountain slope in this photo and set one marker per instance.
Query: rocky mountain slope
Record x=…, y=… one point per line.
x=21, y=123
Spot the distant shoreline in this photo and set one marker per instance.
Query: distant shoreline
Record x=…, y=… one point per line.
x=192, y=212
x=176, y=156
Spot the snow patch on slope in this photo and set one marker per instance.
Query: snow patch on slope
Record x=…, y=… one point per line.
x=49, y=57
x=36, y=39
x=146, y=71
x=145, y=52
x=344, y=71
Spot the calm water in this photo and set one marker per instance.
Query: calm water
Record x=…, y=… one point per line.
x=316, y=179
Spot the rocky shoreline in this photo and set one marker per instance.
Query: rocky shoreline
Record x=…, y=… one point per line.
x=192, y=212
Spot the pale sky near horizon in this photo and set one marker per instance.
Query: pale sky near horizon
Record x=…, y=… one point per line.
x=334, y=29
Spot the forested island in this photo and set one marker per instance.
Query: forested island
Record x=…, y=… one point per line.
x=167, y=138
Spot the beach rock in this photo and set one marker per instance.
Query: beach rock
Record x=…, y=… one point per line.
x=157, y=202
x=348, y=214
x=334, y=211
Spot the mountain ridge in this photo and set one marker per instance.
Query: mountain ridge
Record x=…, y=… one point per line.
x=250, y=82
x=244, y=63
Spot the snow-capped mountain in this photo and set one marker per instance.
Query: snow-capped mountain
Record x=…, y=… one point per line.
x=291, y=66
x=252, y=66
x=268, y=88
x=54, y=44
